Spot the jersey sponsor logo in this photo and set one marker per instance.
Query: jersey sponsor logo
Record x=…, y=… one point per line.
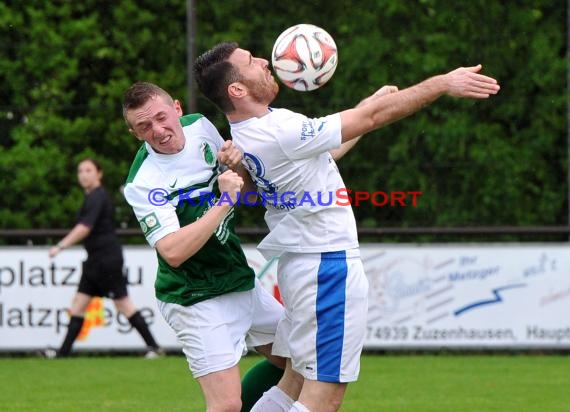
x=149, y=224
x=207, y=153
x=307, y=129
x=173, y=184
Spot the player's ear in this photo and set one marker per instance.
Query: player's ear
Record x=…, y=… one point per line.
x=178, y=107
x=237, y=90
x=131, y=131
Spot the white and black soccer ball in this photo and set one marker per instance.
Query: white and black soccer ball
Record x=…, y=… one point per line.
x=304, y=57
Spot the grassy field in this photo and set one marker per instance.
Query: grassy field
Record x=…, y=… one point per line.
x=392, y=383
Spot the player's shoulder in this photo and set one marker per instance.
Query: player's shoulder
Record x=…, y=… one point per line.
x=290, y=115
x=198, y=126
x=197, y=121
x=144, y=171
x=284, y=119
x=189, y=119
x=283, y=113
x=138, y=161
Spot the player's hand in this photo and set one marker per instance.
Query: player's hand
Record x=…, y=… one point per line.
x=384, y=90
x=230, y=155
x=467, y=82
x=230, y=183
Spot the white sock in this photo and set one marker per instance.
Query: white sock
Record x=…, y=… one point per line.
x=298, y=407
x=274, y=400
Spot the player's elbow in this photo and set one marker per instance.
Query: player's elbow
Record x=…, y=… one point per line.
x=353, y=130
x=173, y=261
x=170, y=253
x=384, y=118
x=175, y=256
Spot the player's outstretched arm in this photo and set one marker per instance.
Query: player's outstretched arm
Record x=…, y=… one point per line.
x=464, y=82
x=345, y=147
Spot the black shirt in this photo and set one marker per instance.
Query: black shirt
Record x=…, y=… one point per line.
x=98, y=213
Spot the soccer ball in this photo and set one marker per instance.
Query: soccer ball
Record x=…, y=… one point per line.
x=304, y=57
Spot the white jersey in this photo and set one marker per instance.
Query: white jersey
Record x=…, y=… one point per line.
x=287, y=155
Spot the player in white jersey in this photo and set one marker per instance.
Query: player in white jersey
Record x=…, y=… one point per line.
x=205, y=289
x=299, y=181
x=319, y=272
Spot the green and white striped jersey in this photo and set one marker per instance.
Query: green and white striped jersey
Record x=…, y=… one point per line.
x=167, y=192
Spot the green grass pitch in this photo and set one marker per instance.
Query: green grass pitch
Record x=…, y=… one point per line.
x=391, y=383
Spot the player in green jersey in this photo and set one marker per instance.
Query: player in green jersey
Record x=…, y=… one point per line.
x=205, y=288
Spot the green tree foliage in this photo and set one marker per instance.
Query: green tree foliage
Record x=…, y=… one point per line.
x=63, y=69
x=502, y=161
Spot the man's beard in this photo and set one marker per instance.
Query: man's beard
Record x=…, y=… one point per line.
x=263, y=93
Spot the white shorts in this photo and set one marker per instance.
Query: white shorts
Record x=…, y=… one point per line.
x=326, y=305
x=216, y=333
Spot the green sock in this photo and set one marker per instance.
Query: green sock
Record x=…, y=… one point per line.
x=262, y=376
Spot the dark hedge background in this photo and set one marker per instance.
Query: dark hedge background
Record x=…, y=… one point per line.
x=503, y=161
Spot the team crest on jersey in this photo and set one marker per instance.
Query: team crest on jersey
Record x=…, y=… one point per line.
x=149, y=224
x=207, y=153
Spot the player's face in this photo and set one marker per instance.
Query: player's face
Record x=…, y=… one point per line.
x=88, y=176
x=257, y=77
x=157, y=122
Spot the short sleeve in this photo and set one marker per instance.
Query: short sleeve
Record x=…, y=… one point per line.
x=155, y=219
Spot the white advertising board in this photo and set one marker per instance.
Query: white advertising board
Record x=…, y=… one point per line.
x=424, y=297
x=481, y=296
x=35, y=292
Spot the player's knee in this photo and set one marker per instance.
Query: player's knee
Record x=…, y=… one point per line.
x=277, y=361
x=226, y=405
x=335, y=399
x=321, y=404
x=322, y=396
x=334, y=404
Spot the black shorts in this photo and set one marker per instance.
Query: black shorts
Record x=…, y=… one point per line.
x=103, y=276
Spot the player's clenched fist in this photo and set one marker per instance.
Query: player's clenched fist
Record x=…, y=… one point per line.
x=384, y=90
x=231, y=183
x=230, y=155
